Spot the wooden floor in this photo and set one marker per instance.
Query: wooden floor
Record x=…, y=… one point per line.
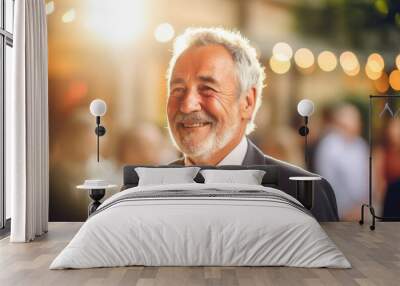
x=374, y=255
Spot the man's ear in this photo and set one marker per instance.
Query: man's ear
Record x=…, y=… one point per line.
x=247, y=104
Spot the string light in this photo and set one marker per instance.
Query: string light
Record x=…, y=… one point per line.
x=394, y=79
x=327, y=61
x=353, y=72
x=304, y=58
x=375, y=63
x=372, y=74
x=349, y=63
x=282, y=51
x=279, y=66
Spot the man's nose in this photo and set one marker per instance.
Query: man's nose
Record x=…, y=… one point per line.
x=190, y=102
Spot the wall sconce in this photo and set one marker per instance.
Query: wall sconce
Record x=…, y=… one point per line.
x=98, y=108
x=305, y=108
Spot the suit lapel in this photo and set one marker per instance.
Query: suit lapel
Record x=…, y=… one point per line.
x=253, y=156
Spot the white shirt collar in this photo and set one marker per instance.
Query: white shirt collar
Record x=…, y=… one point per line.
x=236, y=156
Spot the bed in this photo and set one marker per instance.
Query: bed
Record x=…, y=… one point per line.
x=201, y=224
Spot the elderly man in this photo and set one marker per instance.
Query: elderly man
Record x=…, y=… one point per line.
x=215, y=86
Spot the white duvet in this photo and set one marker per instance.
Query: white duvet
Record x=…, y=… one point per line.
x=183, y=231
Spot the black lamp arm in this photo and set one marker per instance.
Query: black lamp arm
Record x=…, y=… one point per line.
x=100, y=131
x=303, y=131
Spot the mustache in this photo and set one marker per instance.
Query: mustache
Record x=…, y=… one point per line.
x=194, y=117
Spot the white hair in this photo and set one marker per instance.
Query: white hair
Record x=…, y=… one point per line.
x=249, y=70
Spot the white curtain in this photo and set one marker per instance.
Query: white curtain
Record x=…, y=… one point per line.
x=27, y=124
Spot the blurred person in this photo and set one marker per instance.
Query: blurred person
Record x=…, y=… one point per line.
x=215, y=84
x=342, y=158
x=319, y=124
x=387, y=164
x=391, y=150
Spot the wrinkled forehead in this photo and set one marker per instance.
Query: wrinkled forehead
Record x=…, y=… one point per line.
x=210, y=60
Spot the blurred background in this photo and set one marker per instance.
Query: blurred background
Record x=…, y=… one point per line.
x=335, y=53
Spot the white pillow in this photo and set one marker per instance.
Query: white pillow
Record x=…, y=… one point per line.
x=248, y=177
x=162, y=176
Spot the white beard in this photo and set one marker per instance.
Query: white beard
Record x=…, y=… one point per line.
x=207, y=147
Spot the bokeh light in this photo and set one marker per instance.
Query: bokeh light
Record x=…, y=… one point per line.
x=69, y=16
x=398, y=62
x=382, y=83
x=50, y=7
x=375, y=63
x=372, y=74
x=282, y=51
x=394, y=79
x=279, y=66
x=164, y=32
x=327, y=61
x=349, y=62
x=119, y=23
x=354, y=72
x=304, y=58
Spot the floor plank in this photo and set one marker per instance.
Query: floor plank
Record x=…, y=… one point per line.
x=374, y=255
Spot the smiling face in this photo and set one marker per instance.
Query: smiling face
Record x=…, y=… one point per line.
x=204, y=108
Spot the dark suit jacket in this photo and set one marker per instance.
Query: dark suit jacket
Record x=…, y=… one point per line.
x=324, y=208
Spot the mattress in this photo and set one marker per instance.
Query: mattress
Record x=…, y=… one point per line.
x=201, y=225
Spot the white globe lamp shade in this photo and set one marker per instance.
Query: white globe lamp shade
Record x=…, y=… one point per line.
x=305, y=107
x=98, y=107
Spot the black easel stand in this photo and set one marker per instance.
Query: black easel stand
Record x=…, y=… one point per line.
x=370, y=205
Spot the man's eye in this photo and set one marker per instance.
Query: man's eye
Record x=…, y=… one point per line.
x=206, y=89
x=178, y=91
